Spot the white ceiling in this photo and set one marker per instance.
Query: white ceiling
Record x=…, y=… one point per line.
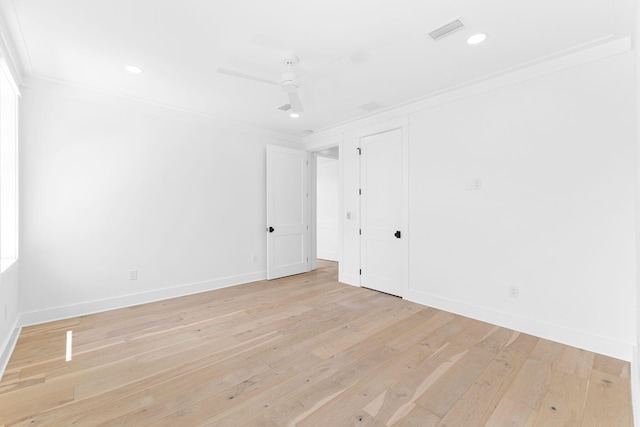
x=358, y=52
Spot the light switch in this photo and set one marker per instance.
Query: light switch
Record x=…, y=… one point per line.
x=474, y=184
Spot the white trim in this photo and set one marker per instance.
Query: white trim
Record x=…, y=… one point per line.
x=9, y=344
x=528, y=71
x=321, y=144
x=401, y=125
x=379, y=127
x=81, y=309
x=595, y=343
x=350, y=280
x=113, y=99
x=328, y=256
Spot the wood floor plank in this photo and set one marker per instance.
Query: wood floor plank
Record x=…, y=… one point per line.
x=510, y=413
x=308, y=351
x=608, y=400
x=477, y=404
x=564, y=402
x=444, y=394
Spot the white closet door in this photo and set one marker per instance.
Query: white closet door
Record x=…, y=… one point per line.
x=383, y=249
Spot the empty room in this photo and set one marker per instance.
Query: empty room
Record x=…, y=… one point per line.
x=297, y=213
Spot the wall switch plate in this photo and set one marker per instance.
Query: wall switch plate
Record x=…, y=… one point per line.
x=133, y=275
x=474, y=184
x=254, y=258
x=513, y=291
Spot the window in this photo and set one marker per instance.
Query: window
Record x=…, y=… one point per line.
x=8, y=168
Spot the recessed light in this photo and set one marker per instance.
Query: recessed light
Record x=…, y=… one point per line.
x=133, y=69
x=477, y=38
x=294, y=115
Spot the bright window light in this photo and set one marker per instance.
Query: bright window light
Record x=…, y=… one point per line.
x=477, y=38
x=8, y=167
x=69, y=345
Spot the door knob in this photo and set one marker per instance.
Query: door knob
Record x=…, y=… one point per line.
x=270, y=229
x=398, y=234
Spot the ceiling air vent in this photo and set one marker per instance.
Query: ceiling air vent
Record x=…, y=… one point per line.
x=446, y=30
x=370, y=106
x=285, y=107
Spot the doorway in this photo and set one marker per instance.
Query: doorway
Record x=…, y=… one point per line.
x=325, y=206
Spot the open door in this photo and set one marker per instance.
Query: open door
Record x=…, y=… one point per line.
x=383, y=248
x=287, y=211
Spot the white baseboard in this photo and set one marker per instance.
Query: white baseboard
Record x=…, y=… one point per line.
x=90, y=307
x=602, y=345
x=328, y=255
x=635, y=386
x=349, y=279
x=7, y=347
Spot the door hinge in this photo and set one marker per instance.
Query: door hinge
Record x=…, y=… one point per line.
x=360, y=230
x=360, y=191
x=359, y=151
x=361, y=272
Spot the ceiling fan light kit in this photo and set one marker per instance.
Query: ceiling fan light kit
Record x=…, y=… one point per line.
x=288, y=83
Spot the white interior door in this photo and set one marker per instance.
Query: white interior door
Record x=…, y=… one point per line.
x=383, y=249
x=287, y=211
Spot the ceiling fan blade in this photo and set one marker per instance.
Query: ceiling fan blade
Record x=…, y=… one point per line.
x=245, y=76
x=294, y=100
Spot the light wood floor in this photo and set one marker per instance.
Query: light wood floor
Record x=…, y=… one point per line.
x=303, y=350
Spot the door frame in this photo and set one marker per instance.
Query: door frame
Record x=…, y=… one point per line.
x=313, y=199
x=350, y=240
x=404, y=206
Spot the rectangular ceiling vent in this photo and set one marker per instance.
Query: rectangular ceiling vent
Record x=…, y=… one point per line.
x=446, y=30
x=371, y=106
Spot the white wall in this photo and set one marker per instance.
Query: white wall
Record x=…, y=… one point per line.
x=327, y=208
x=108, y=189
x=554, y=148
x=555, y=215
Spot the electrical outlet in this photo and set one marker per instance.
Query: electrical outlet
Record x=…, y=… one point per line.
x=513, y=291
x=133, y=275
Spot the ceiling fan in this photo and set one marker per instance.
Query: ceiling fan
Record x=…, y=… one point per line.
x=287, y=82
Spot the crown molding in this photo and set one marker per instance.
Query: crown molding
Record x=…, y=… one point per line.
x=60, y=87
x=562, y=60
